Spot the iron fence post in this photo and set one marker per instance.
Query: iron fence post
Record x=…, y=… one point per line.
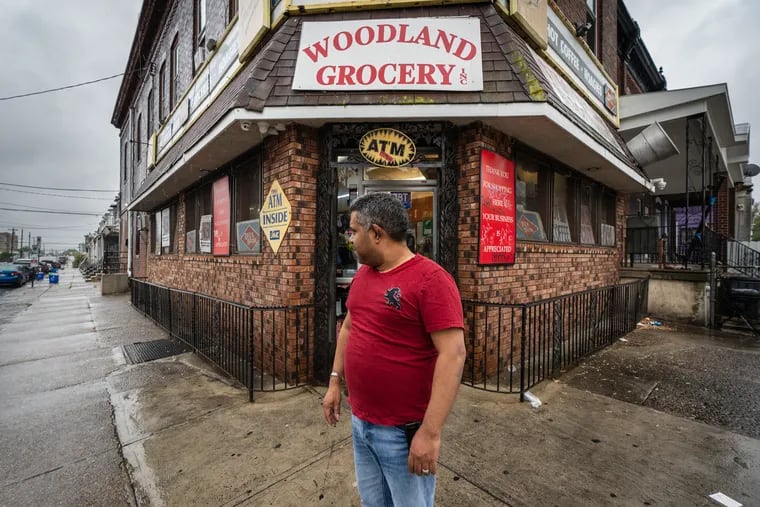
x=522, y=355
x=250, y=355
x=713, y=289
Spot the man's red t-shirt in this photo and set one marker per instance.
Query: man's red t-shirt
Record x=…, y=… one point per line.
x=390, y=357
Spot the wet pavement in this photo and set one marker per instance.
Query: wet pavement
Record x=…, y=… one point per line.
x=664, y=418
x=688, y=372
x=57, y=439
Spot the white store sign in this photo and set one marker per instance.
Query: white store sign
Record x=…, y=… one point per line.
x=442, y=54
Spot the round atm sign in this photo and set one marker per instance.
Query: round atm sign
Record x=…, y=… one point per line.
x=387, y=148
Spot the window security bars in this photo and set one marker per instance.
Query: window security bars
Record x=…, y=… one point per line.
x=264, y=348
x=511, y=348
x=679, y=245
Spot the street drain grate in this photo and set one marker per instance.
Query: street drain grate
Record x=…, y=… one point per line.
x=150, y=351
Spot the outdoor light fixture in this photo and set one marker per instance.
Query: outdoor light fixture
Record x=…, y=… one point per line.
x=659, y=184
x=582, y=30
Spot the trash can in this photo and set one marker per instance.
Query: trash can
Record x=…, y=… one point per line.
x=39, y=275
x=53, y=278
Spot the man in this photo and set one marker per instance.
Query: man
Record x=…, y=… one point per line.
x=401, y=351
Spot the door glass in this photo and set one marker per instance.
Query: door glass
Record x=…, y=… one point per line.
x=420, y=234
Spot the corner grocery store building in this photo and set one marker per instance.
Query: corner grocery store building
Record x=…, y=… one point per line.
x=510, y=118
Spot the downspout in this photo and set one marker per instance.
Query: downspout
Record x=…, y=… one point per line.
x=130, y=245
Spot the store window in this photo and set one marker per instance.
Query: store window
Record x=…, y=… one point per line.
x=532, y=193
x=136, y=229
x=164, y=224
x=589, y=218
x=564, y=229
x=607, y=218
x=247, y=184
x=198, y=217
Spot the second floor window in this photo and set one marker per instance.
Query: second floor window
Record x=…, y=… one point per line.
x=200, y=22
x=126, y=157
x=591, y=18
x=149, y=117
x=138, y=139
x=174, y=73
x=232, y=10
x=162, y=92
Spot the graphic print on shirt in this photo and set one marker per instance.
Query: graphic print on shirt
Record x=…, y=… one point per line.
x=393, y=297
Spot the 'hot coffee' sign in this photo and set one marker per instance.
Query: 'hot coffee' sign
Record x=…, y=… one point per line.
x=399, y=54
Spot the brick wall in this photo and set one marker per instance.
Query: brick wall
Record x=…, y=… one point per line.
x=541, y=270
x=266, y=279
x=287, y=278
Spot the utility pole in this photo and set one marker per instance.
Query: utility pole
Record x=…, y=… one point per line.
x=13, y=238
x=21, y=245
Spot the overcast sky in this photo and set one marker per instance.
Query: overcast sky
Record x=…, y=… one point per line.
x=65, y=139
x=703, y=42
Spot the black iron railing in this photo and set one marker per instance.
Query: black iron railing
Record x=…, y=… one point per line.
x=682, y=246
x=265, y=348
x=511, y=348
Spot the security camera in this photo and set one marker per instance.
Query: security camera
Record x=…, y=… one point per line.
x=582, y=29
x=660, y=183
x=245, y=126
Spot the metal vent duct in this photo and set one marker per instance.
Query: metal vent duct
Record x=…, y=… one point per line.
x=652, y=145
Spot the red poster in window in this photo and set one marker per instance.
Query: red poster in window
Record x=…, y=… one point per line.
x=497, y=240
x=221, y=199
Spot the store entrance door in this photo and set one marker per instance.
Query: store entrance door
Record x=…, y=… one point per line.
x=420, y=201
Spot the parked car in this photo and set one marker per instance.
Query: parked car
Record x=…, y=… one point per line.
x=13, y=274
x=31, y=266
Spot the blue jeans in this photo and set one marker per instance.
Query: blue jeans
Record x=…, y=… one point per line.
x=382, y=473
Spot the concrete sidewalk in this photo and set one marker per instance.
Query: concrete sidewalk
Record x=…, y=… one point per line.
x=190, y=437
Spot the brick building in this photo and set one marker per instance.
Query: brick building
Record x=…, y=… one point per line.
x=247, y=131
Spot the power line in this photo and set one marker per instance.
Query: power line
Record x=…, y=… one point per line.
x=11, y=97
x=62, y=189
x=53, y=212
x=46, y=226
x=57, y=195
x=29, y=206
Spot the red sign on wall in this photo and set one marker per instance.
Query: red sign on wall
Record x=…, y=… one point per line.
x=497, y=239
x=221, y=199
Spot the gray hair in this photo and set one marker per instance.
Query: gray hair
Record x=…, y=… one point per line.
x=382, y=209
